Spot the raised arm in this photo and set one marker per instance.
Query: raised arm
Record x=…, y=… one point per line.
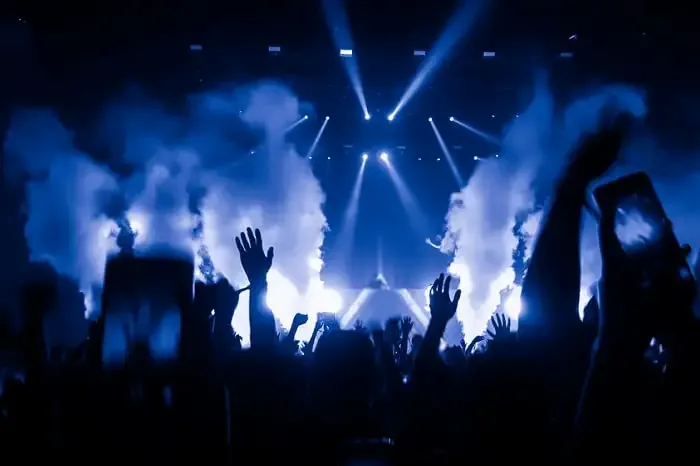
x=256, y=263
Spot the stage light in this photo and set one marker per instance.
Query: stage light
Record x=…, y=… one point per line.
x=329, y=158
x=476, y=158
x=345, y=53
x=496, y=155
x=430, y=119
x=420, y=158
x=384, y=157
x=365, y=156
x=367, y=116
x=390, y=117
x=438, y=159
x=329, y=300
x=328, y=118
x=452, y=118
x=306, y=117
x=310, y=158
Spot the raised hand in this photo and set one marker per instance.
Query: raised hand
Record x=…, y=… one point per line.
x=406, y=326
x=501, y=327
x=299, y=320
x=598, y=152
x=256, y=263
x=359, y=326
x=442, y=307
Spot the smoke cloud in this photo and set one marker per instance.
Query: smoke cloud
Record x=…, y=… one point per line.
x=220, y=160
x=481, y=217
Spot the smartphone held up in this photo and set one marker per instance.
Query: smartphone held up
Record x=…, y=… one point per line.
x=641, y=224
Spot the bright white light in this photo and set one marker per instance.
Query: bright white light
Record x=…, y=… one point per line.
x=365, y=156
x=345, y=52
x=315, y=263
x=512, y=304
x=328, y=118
x=384, y=157
x=282, y=296
x=306, y=117
x=427, y=297
x=476, y=158
x=367, y=116
x=139, y=224
x=390, y=117
x=430, y=119
x=496, y=155
x=584, y=297
x=329, y=301
x=452, y=118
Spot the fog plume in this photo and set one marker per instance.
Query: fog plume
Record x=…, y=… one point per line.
x=481, y=217
x=220, y=160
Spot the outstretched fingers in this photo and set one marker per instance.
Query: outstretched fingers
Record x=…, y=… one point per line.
x=458, y=295
x=270, y=255
x=251, y=237
x=245, y=242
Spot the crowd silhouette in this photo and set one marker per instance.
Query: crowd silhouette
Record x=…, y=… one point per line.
x=619, y=384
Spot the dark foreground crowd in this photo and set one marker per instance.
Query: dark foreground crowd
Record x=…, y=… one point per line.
x=621, y=385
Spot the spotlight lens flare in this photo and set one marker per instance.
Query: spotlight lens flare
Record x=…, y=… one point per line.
x=306, y=117
x=367, y=116
x=365, y=156
x=390, y=117
x=328, y=118
x=452, y=118
x=430, y=119
x=384, y=157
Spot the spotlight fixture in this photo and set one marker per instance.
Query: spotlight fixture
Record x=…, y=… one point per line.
x=384, y=157
x=367, y=116
x=365, y=156
x=430, y=119
x=390, y=117
x=452, y=118
x=306, y=117
x=328, y=118
x=476, y=158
